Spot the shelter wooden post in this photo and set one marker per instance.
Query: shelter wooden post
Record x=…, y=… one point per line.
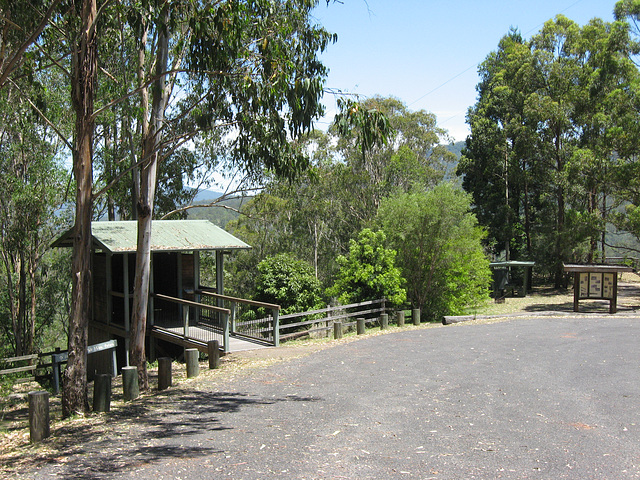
x=127, y=312
x=576, y=290
x=613, y=303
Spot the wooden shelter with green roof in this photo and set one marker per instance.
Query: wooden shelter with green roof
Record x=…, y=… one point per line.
x=181, y=310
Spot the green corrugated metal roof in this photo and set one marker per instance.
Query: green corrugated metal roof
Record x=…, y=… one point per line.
x=166, y=236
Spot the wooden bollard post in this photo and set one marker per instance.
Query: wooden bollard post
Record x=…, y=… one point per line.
x=337, y=330
x=360, y=326
x=130, y=387
x=384, y=321
x=164, y=373
x=38, y=416
x=214, y=354
x=400, y=318
x=102, y=393
x=191, y=358
x=415, y=316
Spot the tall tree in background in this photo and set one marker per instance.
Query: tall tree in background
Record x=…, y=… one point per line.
x=540, y=155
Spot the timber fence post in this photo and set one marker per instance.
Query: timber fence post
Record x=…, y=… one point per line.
x=130, y=387
x=213, y=348
x=164, y=373
x=384, y=321
x=39, y=428
x=337, y=330
x=191, y=358
x=102, y=393
x=415, y=316
x=400, y=318
x=360, y=326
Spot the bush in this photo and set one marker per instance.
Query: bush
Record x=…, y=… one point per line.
x=368, y=272
x=288, y=282
x=440, y=251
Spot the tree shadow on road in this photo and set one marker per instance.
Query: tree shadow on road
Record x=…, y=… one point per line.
x=150, y=429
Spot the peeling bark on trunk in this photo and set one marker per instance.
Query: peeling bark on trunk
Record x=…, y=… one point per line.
x=148, y=180
x=84, y=65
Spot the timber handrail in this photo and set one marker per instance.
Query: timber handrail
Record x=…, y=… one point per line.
x=191, y=303
x=238, y=300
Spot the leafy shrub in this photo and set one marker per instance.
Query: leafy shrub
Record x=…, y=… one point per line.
x=288, y=282
x=440, y=251
x=368, y=272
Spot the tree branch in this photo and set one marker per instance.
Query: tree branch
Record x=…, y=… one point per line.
x=4, y=75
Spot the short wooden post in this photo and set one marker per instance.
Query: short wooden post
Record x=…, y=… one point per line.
x=360, y=326
x=55, y=362
x=191, y=358
x=384, y=321
x=337, y=330
x=130, y=388
x=226, y=332
x=38, y=416
x=214, y=354
x=400, y=318
x=102, y=393
x=276, y=327
x=415, y=316
x=164, y=373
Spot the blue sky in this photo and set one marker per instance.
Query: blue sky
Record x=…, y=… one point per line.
x=426, y=52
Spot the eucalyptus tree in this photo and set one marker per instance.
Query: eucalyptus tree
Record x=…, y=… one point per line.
x=393, y=148
x=540, y=156
x=31, y=190
x=250, y=67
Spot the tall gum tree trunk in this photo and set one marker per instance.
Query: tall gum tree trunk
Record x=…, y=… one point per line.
x=148, y=180
x=84, y=67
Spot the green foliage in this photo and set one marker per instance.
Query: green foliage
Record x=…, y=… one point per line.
x=551, y=117
x=440, y=251
x=288, y=282
x=368, y=272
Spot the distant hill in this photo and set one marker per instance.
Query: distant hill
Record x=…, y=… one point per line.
x=456, y=148
x=220, y=214
x=207, y=195
x=451, y=167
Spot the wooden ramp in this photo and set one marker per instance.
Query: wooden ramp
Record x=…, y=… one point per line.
x=198, y=336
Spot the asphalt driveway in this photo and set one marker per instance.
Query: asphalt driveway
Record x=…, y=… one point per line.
x=539, y=397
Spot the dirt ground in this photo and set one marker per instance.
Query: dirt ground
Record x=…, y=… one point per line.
x=18, y=455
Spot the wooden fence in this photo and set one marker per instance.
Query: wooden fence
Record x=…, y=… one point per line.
x=322, y=320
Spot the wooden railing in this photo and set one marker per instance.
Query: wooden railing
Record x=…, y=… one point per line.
x=217, y=328
x=265, y=330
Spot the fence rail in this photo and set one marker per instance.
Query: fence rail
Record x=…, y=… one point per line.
x=329, y=316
